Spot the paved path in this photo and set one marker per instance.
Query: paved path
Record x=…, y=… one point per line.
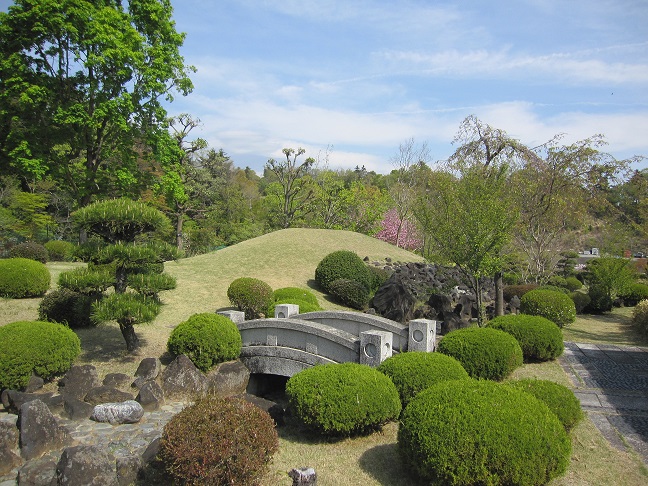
x=611, y=383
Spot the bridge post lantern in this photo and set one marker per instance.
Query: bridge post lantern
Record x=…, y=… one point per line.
x=375, y=347
x=284, y=311
x=235, y=316
x=422, y=335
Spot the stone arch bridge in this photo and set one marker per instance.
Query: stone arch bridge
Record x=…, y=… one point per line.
x=291, y=342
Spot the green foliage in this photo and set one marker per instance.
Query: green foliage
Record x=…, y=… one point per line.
x=560, y=399
x=378, y=277
x=484, y=352
x=539, y=338
x=23, y=278
x=87, y=280
x=634, y=293
x=343, y=399
x=342, y=264
x=67, y=307
x=206, y=339
x=478, y=432
x=414, y=371
x=557, y=281
x=350, y=293
x=219, y=441
x=127, y=309
x=600, y=300
x=640, y=317
x=151, y=283
x=581, y=301
x=43, y=348
x=288, y=293
x=611, y=276
x=250, y=295
x=573, y=284
x=31, y=250
x=519, y=290
x=554, y=288
x=60, y=251
x=555, y=306
x=303, y=306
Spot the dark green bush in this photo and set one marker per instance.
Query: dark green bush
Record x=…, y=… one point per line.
x=218, y=441
x=67, y=307
x=414, y=371
x=539, y=338
x=600, y=300
x=250, y=295
x=43, y=348
x=573, y=284
x=555, y=306
x=484, y=352
x=581, y=301
x=378, y=277
x=342, y=264
x=60, y=251
x=640, y=317
x=472, y=432
x=554, y=288
x=206, y=339
x=288, y=293
x=303, y=306
x=560, y=399
x=350, y=293
x=557, y=281
x=343, y=399
x=30, y=250
x=519, y=290
x=635, y=293
x=23, y=278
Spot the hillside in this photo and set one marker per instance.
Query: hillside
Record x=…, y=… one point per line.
x=282, y=258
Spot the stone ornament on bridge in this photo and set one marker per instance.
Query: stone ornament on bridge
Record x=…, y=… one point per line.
x=422, y=335
x=375, y=347
x=283, y=311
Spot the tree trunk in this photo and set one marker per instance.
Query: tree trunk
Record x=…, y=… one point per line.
x=132, y=341
x=179, y=224
x=120, y=280
x=499, y=295
x=478, y=292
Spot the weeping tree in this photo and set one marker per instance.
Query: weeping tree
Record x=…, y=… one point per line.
x=125, y=256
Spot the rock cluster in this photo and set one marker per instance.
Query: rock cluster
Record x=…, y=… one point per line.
x=36, y=443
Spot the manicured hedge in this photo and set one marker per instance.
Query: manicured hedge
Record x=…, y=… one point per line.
x=539, y=338
x=470, y=432
x=350, y=293
x=250, y=295
x=60, y=251
x=67, y=307
x=30, y=250
x=23, y=278
x=343, y=399
x=484, y=352
x=556, y=306
x=342, y=264
x=43, y=348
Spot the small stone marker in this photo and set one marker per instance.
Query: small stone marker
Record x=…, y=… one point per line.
x=128, y=412
x=303, y=476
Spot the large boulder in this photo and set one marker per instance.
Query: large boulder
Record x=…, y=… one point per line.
x=87, y=465
x=229, y=378
x=150, y=396
x=128, y=412
x=76, y=409
x=116, y=380
x=39, y=432
x=106, y=394
x=394, y=300
x=78, y=381
x=39, y=472
x=182, y=379
x=148, y=369
x=12, y=400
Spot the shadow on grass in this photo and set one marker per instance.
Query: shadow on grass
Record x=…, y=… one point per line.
x=383, y=464
x=611, y=328
x=104, y=343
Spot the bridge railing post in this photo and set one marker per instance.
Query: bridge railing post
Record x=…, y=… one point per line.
x=375, y=347
x=233, y=315
x=284, y=311
x=422, y=335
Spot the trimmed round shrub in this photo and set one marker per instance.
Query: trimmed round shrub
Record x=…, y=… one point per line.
x=478, y=432
x=600, y=300
x=581, y=301
x=218, y=441
x=378, y=277
x=555, y=306
x=342, y=264
x=30, y=250
x=414, y=371
x=206, y=339
x=288, y=293
x=519, y=290
x=23, y=278
x=43, y=348
x=303, y=306
x=250, y=295
x=483, y=352
x=560, y=399
x=350, y=293
x=640, y=317
x=555, y=288
x=67, y=307
x=60, y=251
x=573, y=284
x=539, y=338
x=557, y=281
x=635, y=293
x=343, y=399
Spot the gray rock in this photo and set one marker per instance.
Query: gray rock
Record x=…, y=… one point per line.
x=39, y=472
x=181, y=378
x=9, y=433
x=13, y=399
x=39, y=432
x=127, y=468
x=303, y=476
x=128, y=412
x=76, y=409
x=229, y=378
x=116, y=380
x=106, y=394
x=151, y=451
x=8, y=459
x=150, y=396
x=86, y=465
x=148, y=369
x=79, y=380
x=35, y=383
x=274, y=409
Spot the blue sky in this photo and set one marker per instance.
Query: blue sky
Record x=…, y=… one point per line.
x=362, y=77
